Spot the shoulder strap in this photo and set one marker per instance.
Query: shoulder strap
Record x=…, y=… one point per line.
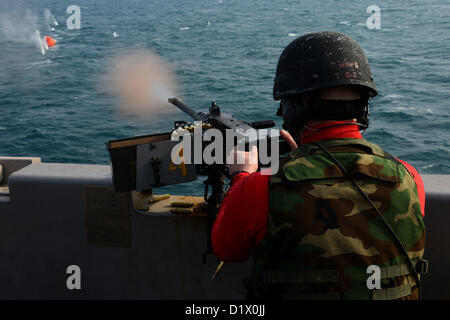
x=367, y=146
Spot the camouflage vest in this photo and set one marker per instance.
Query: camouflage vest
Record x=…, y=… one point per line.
x=323, y=235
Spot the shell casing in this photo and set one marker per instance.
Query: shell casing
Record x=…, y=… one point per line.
x=179, y=204
x=218, y=269
x=158, y=198
x=182, y=210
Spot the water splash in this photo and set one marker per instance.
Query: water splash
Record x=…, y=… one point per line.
x=50, y=19
x=21, y=26
x=39, y=42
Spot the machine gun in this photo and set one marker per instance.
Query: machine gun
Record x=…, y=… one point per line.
x=144, y=162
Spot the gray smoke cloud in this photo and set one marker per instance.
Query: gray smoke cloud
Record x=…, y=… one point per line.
x=21, y=26
x=142, y=82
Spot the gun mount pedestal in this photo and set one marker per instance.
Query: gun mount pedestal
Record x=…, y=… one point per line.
x=216, y=180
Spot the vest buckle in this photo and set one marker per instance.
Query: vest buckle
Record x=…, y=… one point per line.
x=422, y=266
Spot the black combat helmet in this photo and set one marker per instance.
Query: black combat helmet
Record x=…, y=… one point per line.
x=317, y=61
x=320, y=60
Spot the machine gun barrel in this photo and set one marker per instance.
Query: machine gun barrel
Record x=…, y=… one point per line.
x=200, y=116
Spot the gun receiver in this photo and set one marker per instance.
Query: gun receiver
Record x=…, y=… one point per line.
x=216, y=118
x=221, y=121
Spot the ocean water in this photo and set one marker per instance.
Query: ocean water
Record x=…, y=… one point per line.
x=222, y=50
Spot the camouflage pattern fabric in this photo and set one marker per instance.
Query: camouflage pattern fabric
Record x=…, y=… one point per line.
x=319, y=224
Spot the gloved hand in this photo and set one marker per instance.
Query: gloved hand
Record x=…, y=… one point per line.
x=243, y=161
x=248, y=161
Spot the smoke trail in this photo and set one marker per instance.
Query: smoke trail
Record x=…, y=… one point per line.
x=142, y=81
x=49, y=18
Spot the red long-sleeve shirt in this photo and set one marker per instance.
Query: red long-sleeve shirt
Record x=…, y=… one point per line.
x=242, y=220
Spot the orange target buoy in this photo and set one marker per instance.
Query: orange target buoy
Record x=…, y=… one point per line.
x=50, y=41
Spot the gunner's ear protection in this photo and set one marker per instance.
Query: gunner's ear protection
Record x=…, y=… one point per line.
x=295, y=115
x=292, y=111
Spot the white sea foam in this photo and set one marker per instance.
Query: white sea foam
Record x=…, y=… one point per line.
x=394, y=96
x=46, y=61
x=184, y=28
x=404, y=108
x=293, y=34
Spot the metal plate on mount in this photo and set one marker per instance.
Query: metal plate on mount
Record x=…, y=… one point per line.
x=154, y=166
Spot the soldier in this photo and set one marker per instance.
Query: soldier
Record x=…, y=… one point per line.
x=338, y=203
